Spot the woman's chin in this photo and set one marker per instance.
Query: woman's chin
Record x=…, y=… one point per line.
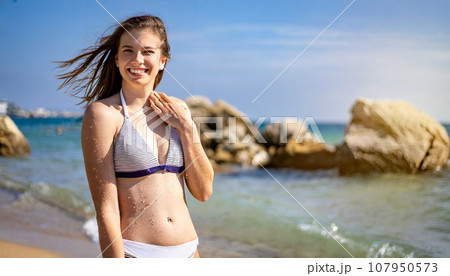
x=142, y=81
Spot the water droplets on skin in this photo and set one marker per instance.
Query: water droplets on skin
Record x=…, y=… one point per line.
x=151, y=221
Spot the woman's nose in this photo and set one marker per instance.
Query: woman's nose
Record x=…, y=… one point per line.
x=139, y=58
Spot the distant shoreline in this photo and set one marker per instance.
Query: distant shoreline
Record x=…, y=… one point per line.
x=80, y=115
x=64, y=114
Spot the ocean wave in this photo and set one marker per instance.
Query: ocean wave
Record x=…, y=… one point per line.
x=357, y=244
x=60, y=197
x=332, y=230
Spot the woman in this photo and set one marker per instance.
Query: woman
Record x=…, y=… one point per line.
x=138, y=144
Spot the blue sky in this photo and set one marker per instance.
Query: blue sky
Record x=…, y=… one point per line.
x=232, y=50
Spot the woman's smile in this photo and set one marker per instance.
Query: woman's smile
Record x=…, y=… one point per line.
x=137, y=72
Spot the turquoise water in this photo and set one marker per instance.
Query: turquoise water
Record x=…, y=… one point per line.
x=368, y=216
x=371, y=216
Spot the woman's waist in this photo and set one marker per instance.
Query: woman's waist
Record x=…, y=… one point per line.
x=158, y=227
x=152, y=195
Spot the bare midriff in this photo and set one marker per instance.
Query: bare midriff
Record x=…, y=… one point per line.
x=153, y=209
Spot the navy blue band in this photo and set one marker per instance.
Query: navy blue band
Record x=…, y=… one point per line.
x=149, y=171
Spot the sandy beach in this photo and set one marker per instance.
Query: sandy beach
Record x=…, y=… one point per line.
x=31, y=228
x=14, y=250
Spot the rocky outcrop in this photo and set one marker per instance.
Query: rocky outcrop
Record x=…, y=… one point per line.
x=307, y=155
x=229, y=137
x=277, y=134
x=388, y=136
x=382, y=136
x=226, y=133
x=291, y=145
x=12, y=141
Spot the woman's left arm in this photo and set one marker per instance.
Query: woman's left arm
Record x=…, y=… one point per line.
x=198, y=172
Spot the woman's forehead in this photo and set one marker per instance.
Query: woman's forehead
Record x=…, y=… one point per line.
x=140, y=38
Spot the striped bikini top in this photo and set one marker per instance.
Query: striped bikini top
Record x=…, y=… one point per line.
x=136, y=153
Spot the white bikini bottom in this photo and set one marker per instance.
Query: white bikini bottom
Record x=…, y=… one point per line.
x=134, y=249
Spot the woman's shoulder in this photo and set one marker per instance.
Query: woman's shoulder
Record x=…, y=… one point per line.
x=104, y=108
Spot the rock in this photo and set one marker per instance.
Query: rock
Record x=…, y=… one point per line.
x=388, y=136
x=223, y=154
x=279, y=133
x=198, y=101
x=226, y=111
x=221, y=169
x=12, y=141
x=259, y=157
x=226, y=133
x=291, y=145
x=253, y=155
x=308, y=155
x=200, y=106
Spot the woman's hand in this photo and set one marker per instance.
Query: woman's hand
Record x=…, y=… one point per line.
x=172, y=110
x=199, y=173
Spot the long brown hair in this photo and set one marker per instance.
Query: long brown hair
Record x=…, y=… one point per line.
x=96, y=76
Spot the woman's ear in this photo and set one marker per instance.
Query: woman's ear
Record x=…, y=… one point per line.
x=117, y=60
x=162, y=64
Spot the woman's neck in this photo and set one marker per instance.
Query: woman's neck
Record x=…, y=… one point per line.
x=136, y=97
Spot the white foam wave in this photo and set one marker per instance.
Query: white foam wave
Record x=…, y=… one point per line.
x=90, y=228
x=315, y=228
x=387, y=250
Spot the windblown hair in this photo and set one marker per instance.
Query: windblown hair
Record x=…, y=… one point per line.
x=96, y=76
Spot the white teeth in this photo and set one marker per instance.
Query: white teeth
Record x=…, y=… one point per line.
x=134, y=71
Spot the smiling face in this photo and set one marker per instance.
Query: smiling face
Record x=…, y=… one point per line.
x=139, y=59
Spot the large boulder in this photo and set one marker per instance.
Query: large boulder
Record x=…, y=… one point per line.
x=391, y=136
x=12, y=141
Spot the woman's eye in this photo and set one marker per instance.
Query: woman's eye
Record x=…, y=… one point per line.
x=147, y=52
x=127, y=51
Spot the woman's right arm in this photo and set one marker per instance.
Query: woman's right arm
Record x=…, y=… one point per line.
x=97, y=135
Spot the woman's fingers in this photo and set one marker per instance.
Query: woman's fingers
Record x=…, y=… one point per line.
x=164, y=97
x=154, y=107
x=158, y=103
x=166, y=103
x=169, y=109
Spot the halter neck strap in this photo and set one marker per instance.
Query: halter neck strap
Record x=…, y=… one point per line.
x=124, y=104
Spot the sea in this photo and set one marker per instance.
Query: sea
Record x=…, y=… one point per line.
x=287, y=213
